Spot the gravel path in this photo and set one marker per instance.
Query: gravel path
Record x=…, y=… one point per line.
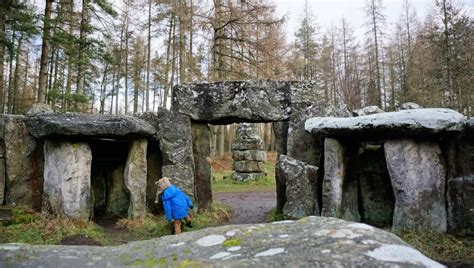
x=249, y=207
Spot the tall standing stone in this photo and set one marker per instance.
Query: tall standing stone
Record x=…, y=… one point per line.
x=135, y=177
x=418, y=175
x=301, y=187
x=202, y=152
x=302, y=145
x=67, y=179
x=24, y=164
x=461, y=204
x=339, y=190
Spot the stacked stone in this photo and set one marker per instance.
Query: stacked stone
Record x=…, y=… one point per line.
x=248, y=154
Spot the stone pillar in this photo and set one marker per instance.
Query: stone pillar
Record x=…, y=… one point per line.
x=334, y=173
x=340, y=187
x=461, y=204
x=202, y=152
x=281, y=136
x=418, y=178
x=67, y=179
x=135, y=178
x=248, y=154
x=301, y=188
x=182, y=176
x=23, y=163
x=2, y=172
x=301, y=145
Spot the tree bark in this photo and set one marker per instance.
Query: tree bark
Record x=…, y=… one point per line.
x=43, y=73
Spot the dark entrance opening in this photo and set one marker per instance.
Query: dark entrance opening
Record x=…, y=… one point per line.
x=110, y=197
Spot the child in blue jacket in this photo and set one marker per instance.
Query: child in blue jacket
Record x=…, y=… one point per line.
x=176, y=204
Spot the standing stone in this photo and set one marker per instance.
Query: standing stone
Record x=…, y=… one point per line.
x=418, y=174
x=301, y=184
x=340, y=186
x=135, y=177
x=301, y=145
x=280, y=129
x=376, y=194
x=182, y=176
x=202, y=152
x=67, y=179
x=248, y=154
x=461, y=204
x=153, y=173
x=118, y=200
x=24, y=164
x=2, y=180
x=334, y=173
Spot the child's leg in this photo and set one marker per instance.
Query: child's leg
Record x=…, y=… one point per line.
x=188, y=221
x=177, y=227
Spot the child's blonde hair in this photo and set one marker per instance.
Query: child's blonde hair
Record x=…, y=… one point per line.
x=163, y=183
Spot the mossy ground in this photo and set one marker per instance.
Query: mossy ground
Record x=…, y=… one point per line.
x=449, y=249
x=35, y=228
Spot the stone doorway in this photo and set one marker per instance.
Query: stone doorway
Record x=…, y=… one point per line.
x=109, y=194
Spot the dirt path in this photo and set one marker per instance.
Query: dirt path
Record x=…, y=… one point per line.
x=249, y=207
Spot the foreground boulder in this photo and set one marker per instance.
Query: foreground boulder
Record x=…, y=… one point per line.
x=310, y=242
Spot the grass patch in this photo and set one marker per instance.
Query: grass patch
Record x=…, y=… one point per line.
x=444, y=248
x=155, y=226
x=34, y=228
x=272, y=216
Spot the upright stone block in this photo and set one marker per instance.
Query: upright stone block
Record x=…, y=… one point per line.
x=202, y=152
x=24, y=164
x=182, y=176
x=301, y=187
x=461, y=204
x=418, y=178
x=302, y=145
x=67, y=179
x=135, y=177
x=334, y=173
x=340, y=187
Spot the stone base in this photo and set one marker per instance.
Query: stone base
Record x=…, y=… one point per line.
x=237, y=176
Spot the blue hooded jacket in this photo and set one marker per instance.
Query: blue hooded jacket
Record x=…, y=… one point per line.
x=176, y=203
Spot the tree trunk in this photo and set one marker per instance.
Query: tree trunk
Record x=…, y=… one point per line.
x=82, y=47
x=147, y=89
x=43, y=73
x=168, y=48
x=15, y=89
x=126, y=65
x=2, y=61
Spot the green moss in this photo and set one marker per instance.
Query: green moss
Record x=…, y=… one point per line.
x=272, y=216
x=151, y=262
x=444, y=248
x=189, y=264
x=231, y=242
x=187, y=251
